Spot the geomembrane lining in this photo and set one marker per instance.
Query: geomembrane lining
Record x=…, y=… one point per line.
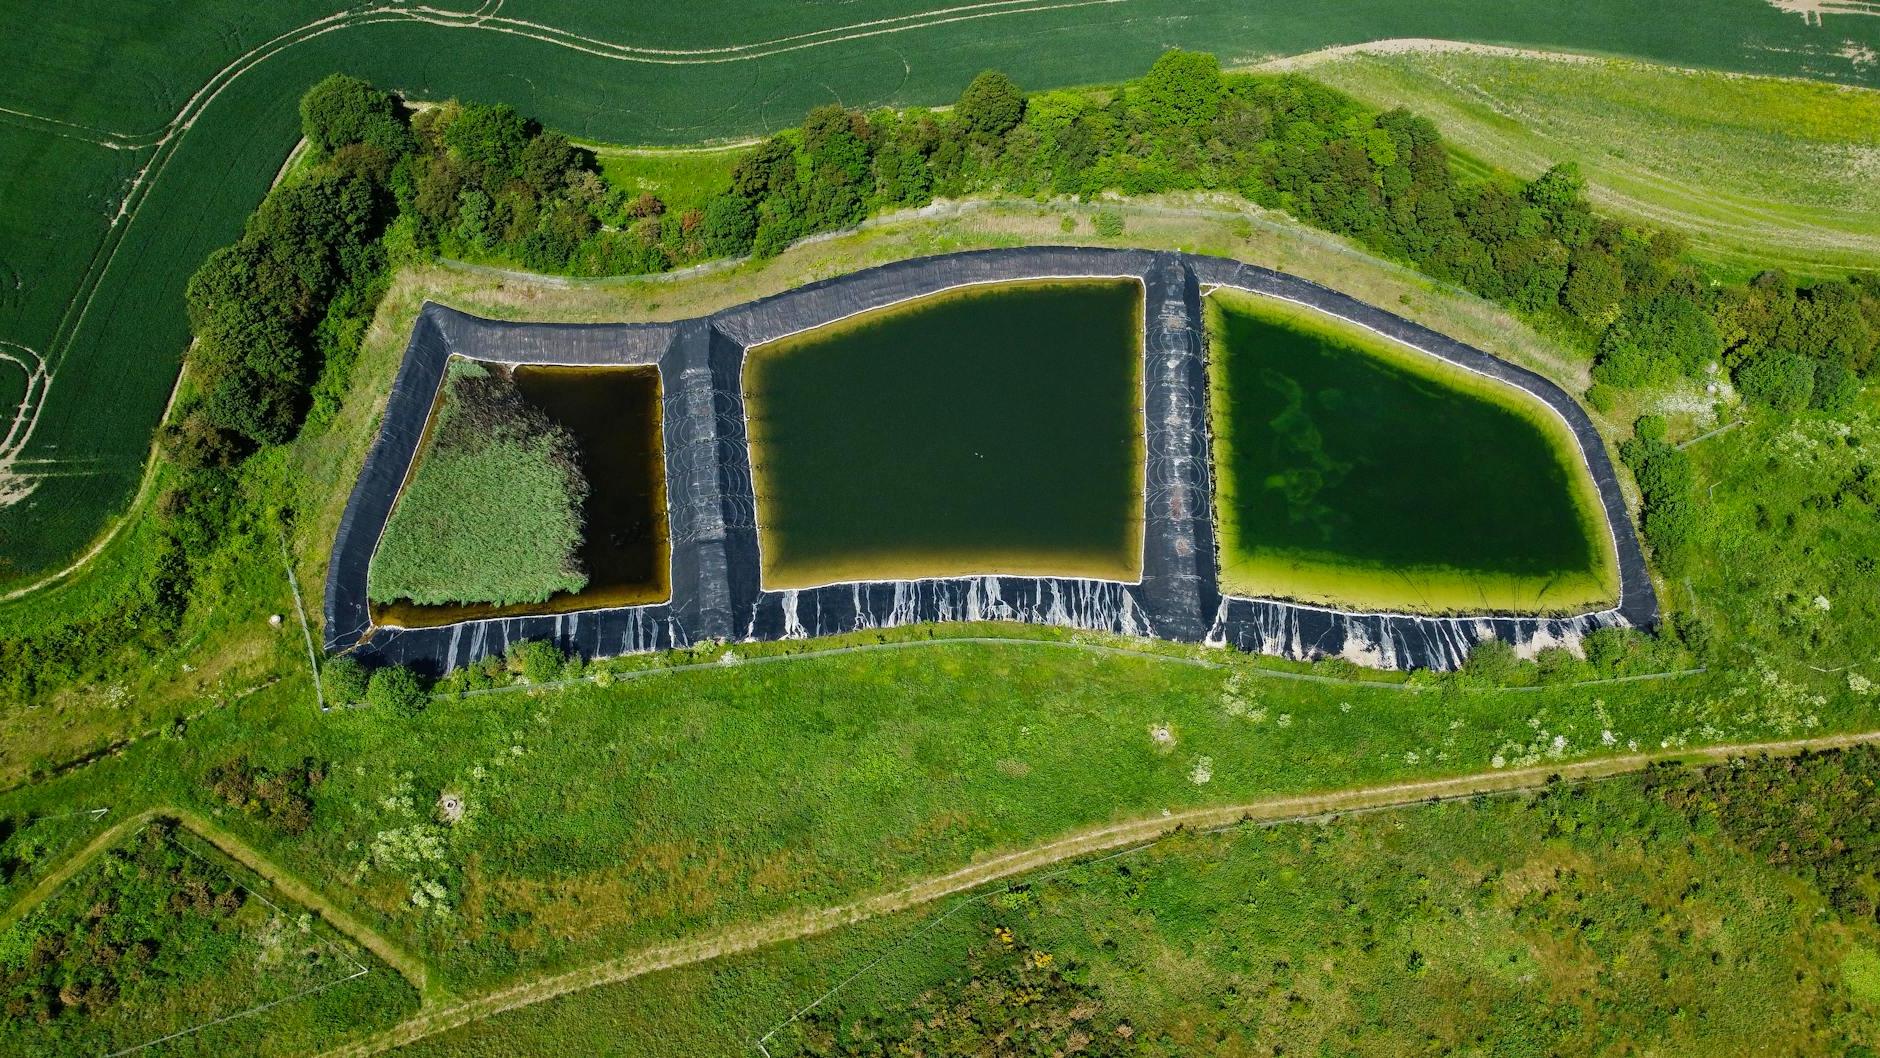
x=716, y=588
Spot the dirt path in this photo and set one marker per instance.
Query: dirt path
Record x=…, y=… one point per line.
x=1081, y=843
x=289, y=885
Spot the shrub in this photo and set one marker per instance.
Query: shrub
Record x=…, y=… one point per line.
x=344, y=680
x=343, y=110
x=1836, y=389
x=1666, y=482
x=1108, y=222
x=1492, y=661
x=1782, y=381
x=396, y=688
x=537, y=660
x=1657, y=341
x=282, y=797
x=1183, y=89
x=990, y=107
x=1558, y=665
x=1694, y=633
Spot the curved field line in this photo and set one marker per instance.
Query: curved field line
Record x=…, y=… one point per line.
x=745, y=52
x=290, y=885
x=15, y=485
x=1307, y=807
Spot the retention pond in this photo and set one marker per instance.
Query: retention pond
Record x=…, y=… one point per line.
x=988, y=429
x=1354, y=472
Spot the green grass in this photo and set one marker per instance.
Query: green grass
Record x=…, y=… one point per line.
x=682, y=179
x=1759, y=172
x=104, y=301
x=491, y=513
x=1577, y=921
x=163, y=936
x=600, y=818
x=1785, y=529
x=1355, y=472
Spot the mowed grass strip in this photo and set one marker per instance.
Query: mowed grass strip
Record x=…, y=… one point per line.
x=492, y=511
x=1758, y=171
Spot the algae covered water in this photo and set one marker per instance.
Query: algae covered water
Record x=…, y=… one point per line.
x=1354, y=472
x=993, y=429
x=614, y=415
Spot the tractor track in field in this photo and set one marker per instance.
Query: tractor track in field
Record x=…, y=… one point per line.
x=443, y=1017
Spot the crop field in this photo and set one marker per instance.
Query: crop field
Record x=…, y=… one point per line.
x=114, y=126
x=1758, y=171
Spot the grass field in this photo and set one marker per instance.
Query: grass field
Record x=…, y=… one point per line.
x=1759, y=172
x=743, y=792
x=114, y=126
x=1502, y=926
x=681, y=178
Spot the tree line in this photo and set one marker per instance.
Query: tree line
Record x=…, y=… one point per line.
x=478, y=179
x=1630, y=296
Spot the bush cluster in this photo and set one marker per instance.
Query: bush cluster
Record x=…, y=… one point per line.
x=282, y=797
x=1667, y=487
x=70, y=961
x=1811, y=814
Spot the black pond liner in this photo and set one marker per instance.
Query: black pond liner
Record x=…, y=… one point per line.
x=716, y=592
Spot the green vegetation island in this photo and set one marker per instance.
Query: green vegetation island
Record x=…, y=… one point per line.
x=948, y=839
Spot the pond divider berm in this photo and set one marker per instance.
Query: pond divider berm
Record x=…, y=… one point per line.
x=716, y=588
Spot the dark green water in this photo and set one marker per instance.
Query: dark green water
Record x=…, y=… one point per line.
x=614, y=414
x=994, y=429
x=1333, y=454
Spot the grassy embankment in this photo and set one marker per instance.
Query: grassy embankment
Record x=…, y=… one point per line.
x=1759, y=172
x=491, y=513
x=1439, y=455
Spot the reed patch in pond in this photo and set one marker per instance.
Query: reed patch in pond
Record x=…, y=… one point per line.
x=482, y=528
